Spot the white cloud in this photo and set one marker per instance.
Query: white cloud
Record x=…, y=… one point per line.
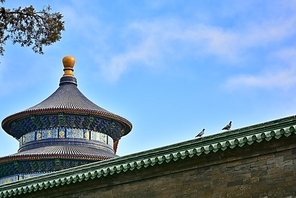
x=149, y=42
x=167, y=38
x=142, y=54
x=282, y=79
x=288, y=55
x=268, y=32
x=160, y=40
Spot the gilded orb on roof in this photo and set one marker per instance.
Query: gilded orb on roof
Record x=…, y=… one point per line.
x=68, y=62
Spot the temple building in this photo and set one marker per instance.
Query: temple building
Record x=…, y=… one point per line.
x=65, y=130
x=69, y=137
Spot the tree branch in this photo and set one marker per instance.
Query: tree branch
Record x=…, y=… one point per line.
x=29, y=27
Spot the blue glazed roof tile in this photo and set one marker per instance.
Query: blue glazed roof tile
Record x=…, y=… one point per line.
x=66, y=99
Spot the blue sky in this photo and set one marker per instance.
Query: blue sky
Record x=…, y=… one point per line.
x=170, y=67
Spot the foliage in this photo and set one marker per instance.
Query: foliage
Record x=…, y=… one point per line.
x=29, y=27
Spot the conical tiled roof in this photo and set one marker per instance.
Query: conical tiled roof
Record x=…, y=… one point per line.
x=66, y=99
x=64, y=130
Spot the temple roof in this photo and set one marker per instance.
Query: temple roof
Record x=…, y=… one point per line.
x=60, y=152
x=66, y=99
x=68, y=96
x=65, y=126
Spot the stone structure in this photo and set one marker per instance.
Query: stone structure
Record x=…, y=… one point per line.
x=255, y=161
x=63, y=131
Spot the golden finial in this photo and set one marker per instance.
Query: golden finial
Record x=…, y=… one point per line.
x=68, y=62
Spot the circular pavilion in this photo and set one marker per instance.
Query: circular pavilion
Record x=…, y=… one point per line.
x=63, y=131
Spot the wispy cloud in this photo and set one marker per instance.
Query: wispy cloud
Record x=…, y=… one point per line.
x=267, y=32
x=144, y=54
x=280, y=77
x=151, y=41
x=157, y=38
x=283, y=79
x=157, y=41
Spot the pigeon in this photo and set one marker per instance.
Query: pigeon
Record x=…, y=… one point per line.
x=228, y=126
x=200, y=133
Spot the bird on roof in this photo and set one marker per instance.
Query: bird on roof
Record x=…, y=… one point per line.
x=200, y=133
x=228, y=126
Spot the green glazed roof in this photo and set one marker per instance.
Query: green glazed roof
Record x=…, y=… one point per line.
x=242, y=137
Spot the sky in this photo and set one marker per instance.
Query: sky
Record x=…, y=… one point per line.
x=171, y=67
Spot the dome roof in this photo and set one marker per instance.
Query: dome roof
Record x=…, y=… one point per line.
x=67, y=99
x=64, y=130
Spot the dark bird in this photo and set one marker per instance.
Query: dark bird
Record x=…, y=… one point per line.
x=228, y=126
x=200, y=133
